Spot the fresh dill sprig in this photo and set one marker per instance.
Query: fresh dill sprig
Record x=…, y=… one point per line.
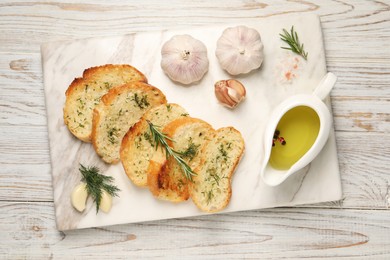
x=160, y=139
x=96, y=183
x=293, y=41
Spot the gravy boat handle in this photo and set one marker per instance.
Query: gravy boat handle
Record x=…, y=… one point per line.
x=325, y=86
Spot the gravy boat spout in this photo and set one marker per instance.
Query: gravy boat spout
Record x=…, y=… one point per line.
x=297, y=131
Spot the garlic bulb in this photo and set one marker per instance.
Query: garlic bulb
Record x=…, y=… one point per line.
x=229, y=92
x=239, y=50
x=184, y=59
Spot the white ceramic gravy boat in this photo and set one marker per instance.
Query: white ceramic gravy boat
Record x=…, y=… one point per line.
x=272, y=176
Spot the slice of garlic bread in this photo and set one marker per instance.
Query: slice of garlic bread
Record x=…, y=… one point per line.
x=119, y=110
x=211, y=189
x=165, y=177
x=138, y=147
x=85, y=93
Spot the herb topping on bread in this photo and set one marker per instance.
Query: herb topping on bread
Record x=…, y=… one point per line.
x=211, y=188
x=84, y=94
x=119, y=110
x=138, y=147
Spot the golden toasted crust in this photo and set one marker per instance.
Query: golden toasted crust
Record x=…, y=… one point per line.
x=162, y=185
x=130, y=138
x=138, y=147
x=112, y=104
x=95, y=121
x=165, y=177
x=119, y=110
x=84, y=93
x=171, y=128
x=211, y=189
x=123, y=71
x=153, y=181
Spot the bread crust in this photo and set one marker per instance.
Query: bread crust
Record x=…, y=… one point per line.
x=164, y=177
x=107, y=68
x=221, y=177
x=161, y=174
x=171, y=128
x=105, y=116
x=135, y=145
x=84, y=93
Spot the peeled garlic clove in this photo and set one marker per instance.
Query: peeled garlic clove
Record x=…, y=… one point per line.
x=229, y=92
x=184, y=59
x=105, y=202
x=79, y=196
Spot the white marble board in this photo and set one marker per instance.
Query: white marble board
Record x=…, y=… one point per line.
x=266, y=87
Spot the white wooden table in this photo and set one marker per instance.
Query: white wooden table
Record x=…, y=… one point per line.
x=357, y=42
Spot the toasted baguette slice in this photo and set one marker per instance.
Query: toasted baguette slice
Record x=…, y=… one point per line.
x=119, y=110
x=138, y=147
x=85, y=93
x=165, y=177
x=211, y=189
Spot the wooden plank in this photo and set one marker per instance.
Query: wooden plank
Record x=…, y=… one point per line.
x=28, y=24
x=356, y=114
x=362, y=158
x=357, y=42
x=26, y=182
x=28, y=229
x=24, y=145
x=22, y=72
x=360, y=76
x=22, y=100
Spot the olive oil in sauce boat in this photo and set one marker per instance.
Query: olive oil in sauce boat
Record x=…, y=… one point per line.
x=296, y=133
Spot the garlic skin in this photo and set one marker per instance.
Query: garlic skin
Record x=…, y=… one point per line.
x=184, y=59
x=239, y=50
x=229, y=92
x=106, y=202
x=79, y=197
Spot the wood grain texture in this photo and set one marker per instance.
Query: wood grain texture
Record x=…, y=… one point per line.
x=23, y=98
x=357, y=42
x=272, y=234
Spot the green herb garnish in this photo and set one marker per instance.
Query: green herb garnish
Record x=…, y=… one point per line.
x=148, y=137
x=96, y=183
x=293, y=41
x=191, y=150
x=160, y=139
x=112, y=135
x=209, y=196
x=142, y=102
x=216, y=178
x=107, y=85
x=223, y=152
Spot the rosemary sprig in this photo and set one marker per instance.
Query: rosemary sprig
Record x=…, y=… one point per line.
x=96, y=183
x=160, y=139
x=293, y=41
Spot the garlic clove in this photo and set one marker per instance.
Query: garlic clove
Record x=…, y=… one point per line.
x=237, y=86
x=105, y=202
x=79, y=197
x=234, y=95
x=229, y=92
